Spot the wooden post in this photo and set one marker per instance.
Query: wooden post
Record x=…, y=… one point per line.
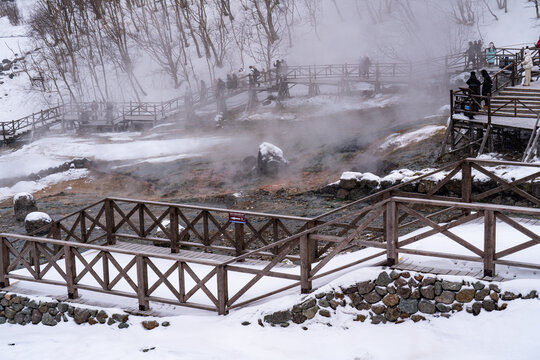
x=306, y=254
x=84, y=236
x=141, y=221
x=3, y=132
x=222, y=289
x=391, y=233
x=106, y=274
x=71, y=272
x=142, y=282
x=466, y=181
x=109, y=222
x=206, y=232
x=4, y=262
x=181, y=282
x=377, y=80
x=239, y=238
x=173, y=229
x=489, y=242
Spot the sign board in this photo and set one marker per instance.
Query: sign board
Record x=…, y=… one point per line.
x=237, y=217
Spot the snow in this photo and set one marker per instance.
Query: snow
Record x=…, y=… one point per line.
x=26, y=195
x=33, y=186
x=350, y=175
x=196, y=334
x=37, y=216
x=270, y=151
x=397, y=140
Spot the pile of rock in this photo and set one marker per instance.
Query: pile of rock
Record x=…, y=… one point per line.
x=15, y=309
x=270, y=159
x=398, y=296
x=25, y=208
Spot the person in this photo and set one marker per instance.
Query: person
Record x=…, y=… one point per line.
x=491, y=52
x=203, y=92
x=284, y=68
x=234, y=81
x=527, y=64
x=229, y=82
x=366, y=64
x=538, y=43
x=188, y=103
x=470, y=55
x=479, y=55
x=109, y=108
x=277, y=65
x=474, y=90
x=486, y=86
x=255, y=73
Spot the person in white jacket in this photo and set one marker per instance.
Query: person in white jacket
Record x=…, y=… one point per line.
x=527, y=64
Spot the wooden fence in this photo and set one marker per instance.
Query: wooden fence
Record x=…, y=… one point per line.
x=380, y=221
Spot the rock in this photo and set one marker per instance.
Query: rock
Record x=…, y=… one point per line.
x=63, y=307
x=324, y=303
x=494, y=296
x=360, y=318
x=465, y=295
x=48, y=320
x=3, y=320
x=478, y=285
x=378, y=309
x=298, y=318
x=372, y=297
x=446, y=297
x=418, y=277
x=270, y=159
x=123, y=325
x=428, y=281
x=350, y=290
x=428, y=292
x=383, y=279
x=320, y=295
x=404, y=292
x=102, y=316
x=10, y=313
x=392, y=314
x=426, y=307
x=494, y=288
x=457, y=307
x=244, y=323
x=363, y=306
x=80, y=315
x=342, y=194
x=348, y=184
x=489, y=305
x=284, y=324
x=445, y=315
x=159, y=233
x=36, y=316
x=334, y=304
x=391, y=300
x=324, y=312
x=278, y=317
x=381, y=290
x=43, y=308
x=508, y=295
x=451, y=286
x=481, y=294
x=443, y=308
x=365, y=287
x=406, y=274
x=356, y=299
x=377, y=319
x=400, y=282
x=394, y=275
x=532, y=295
x=329, y=296
x=36, y=220
x=311, y=312
x=120, y=317
x=408, y=306
x=502, y=307
x=152, y=324
x=308, y=304
x=23, y=204
x=417, y=318
x=19, y=319
x=476, y=308
x=412, y=283
x=92, y=321
x=391, y=289
x=438, y=288
x=167, y=324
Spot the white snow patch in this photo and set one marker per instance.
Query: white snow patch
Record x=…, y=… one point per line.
x=397, y=140
x=38, y=216
x=270, y=151
x=26, y=195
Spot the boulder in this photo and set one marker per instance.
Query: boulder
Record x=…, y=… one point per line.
x=159, y=233
x=36, y=220
x=23, y=204
x=270, y=159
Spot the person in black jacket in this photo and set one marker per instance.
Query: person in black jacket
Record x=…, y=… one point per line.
x=486, y=86
x=474, y=89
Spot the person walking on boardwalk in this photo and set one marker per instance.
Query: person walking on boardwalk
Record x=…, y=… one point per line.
x=486, y=86
x=474, y=91
x=203, y=94
x=527, y=64
x=255, y=74
x=470, y=55
x=491, y=52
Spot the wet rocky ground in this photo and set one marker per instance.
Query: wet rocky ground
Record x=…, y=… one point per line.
x=319, y=148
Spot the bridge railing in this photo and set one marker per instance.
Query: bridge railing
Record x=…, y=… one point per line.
x=30, y=122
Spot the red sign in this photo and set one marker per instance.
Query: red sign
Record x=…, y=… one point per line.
x=237, y=217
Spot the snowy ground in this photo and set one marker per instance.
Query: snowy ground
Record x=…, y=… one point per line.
x=204, y=335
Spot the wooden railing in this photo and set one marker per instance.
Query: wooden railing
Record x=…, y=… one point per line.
x=31, y=122
x=374, y=221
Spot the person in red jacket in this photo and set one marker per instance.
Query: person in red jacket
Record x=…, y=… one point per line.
x=538, y=43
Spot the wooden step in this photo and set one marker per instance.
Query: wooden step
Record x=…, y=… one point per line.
x=525, y=90
x=518, y=94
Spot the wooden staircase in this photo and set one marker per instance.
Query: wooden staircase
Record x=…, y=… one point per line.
x=517, y=101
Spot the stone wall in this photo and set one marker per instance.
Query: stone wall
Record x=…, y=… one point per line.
x=16, y=309
x=397, y=297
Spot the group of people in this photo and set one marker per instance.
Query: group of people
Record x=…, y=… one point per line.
x=478, y=57
x=479, y=88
